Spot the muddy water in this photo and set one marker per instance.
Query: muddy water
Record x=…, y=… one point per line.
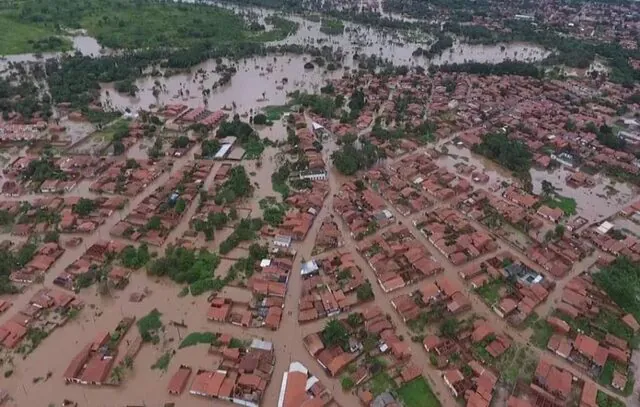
x=461, y=53
x=596, y=203
x=251, y=87
x=85, y=44
x=396, y=45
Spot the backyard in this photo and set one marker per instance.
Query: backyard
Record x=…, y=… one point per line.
x=418, y=393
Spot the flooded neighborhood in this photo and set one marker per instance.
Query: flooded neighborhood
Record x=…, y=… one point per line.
x=332, y=204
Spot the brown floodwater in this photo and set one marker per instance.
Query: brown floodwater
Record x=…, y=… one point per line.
x=596, y=203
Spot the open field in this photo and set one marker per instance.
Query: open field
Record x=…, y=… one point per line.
x=18, y=38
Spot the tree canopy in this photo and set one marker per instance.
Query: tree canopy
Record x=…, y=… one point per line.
x=349, y=159
x=335, y=334
x=621, y=281
x=511, y=154
x=237, y=186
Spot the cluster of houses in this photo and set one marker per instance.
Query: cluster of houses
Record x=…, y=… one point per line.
x=554, y=386
x=95, y=257
x=527, y=288
x=46, y=310
x=386, y=344
x=329, y=287
x=93, y=364
x=241, y=377
x=68, y=214
x=72, y=169
x=454, y=236
x=268, y=288
x=491, y=210
x=301, y=388
x=329, y=236
x=558, y=255
x=362, y=210
x=404, y=197
x=158, y=214
x=421, y=171
x=476, y=382
x=398, y=258
x=307, y=140
x=591, y=349
x=305, y=205
x=434, y=299
x=302, y=208
x=127, y=178
x=41, y=262
x=182, y=116
x=613, y=241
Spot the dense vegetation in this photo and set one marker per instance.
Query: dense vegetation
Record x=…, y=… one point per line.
x=42, y=169
x=237, y=186
x=246, y=136
x=621, y=281
x=18, y=37
x=116, y=23
x=502, y=68
x=511, y=154
x=135, y=258
x=188, y=266
x=355, y=155
x=11, y=261
x=323, y=105
x=244, y=231
x=331, y=27
x=149, y=326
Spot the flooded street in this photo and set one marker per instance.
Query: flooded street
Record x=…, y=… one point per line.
x=258, y=82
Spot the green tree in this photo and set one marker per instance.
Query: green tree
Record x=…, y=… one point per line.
x=347, y=383
x=209, y=148
x=118, y=147
x=154, y=223
x=84, y=207
x=260, y=119
x=181, y=205
x=180, y=142
x=364, y=292
x=449, y=328
x=355, y=319
x=547, y=188
x=52, y=236
x=335, y=334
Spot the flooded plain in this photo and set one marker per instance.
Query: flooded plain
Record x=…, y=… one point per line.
x=596, y=203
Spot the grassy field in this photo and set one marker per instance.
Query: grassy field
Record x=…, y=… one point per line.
x=418, y=393
x=275, y=112
x=195, y=338
x=20, y=38
x=604, y=400
x=568, y=205
x=117, y=24
x=107, y=133
x=163, y=25
x=332, y=27
x=381, y=383
x=542, y=332
x=490, y=292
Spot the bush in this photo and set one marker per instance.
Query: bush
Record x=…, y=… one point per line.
x=195, y=338
x=149, y=325
x=347, y=383
x=260, y=119
x=364, y=292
